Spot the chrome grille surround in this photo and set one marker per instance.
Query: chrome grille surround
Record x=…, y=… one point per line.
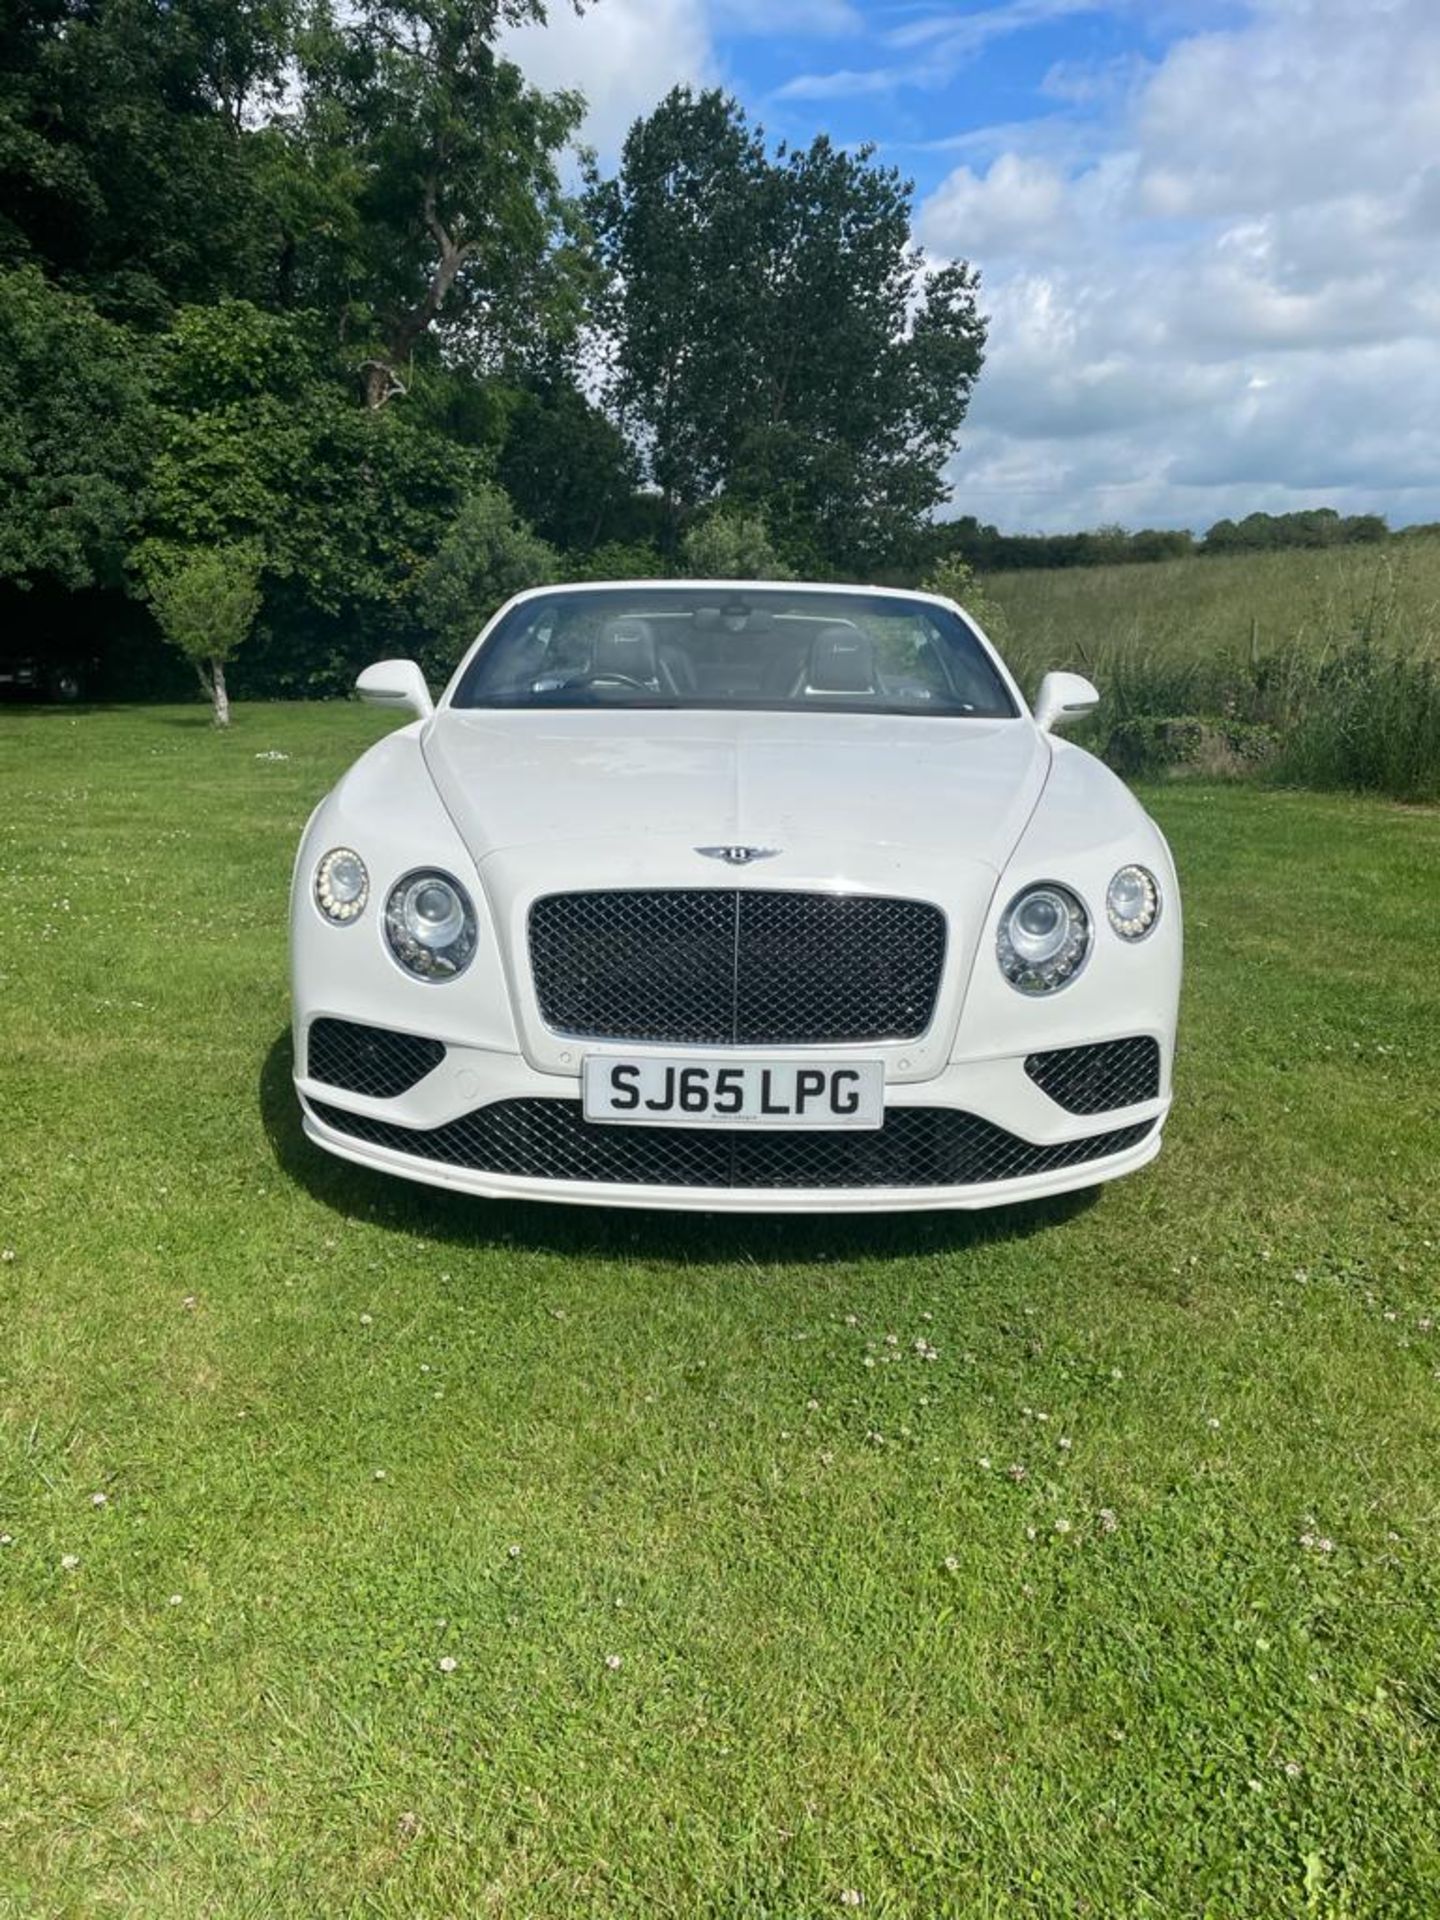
x=736, y=967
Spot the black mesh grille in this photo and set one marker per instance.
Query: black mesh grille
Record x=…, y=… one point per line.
x=551, y=1140
x=1097, y=1079
x=736, y=968
x=369, y=1060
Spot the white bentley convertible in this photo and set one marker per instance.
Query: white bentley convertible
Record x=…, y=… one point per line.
x=739, y=896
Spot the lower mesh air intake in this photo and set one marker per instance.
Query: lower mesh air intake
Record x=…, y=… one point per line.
x=1099, y=1078
x=551, y=1140
x=369, y=1060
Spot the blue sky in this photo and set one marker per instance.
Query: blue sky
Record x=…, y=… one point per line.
x=924, y=83
x=1208, y=230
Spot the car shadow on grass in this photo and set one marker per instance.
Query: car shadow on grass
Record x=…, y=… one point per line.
x=625, y=1233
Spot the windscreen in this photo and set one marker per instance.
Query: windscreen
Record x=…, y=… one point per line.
x=709, y=646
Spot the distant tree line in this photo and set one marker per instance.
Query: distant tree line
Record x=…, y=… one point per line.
x=985, y=549
x=1315, y=527
x=311, y=285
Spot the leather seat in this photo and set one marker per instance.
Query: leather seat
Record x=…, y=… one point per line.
x=677, y=668
x=842, y=660
x=783, y=675
x=626, y=647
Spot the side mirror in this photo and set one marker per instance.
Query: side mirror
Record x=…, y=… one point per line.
x=1063, y=697
x=396, y=683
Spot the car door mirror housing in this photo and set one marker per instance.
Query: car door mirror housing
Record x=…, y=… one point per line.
x=1063, y=698
x=396, y=683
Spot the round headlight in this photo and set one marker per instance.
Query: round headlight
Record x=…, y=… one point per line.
x=430, y=925
x=1132, y=901
x=1043, y=939
x=342, y=886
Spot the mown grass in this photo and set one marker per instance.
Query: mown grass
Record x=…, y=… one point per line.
x=1128, y=1603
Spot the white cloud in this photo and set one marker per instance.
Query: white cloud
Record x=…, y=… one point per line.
x=1086, y=83
x=847, y=83
x=623, y=56
x=1311, y=102
x=1020, y=202
x=1235, y=302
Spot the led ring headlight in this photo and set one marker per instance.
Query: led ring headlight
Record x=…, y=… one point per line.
x=342, y=886
x=430, y=925
x=1043, y=938
x=1132, y=902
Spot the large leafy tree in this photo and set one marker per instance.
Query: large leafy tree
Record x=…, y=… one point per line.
x=131, y=162
x=775, y=335
x=431, y=195
x=379, y=161
x=682, y=230
x=77, y=430
x=567, y=467
x=264, y=446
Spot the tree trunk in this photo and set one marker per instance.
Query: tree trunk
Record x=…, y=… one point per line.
x=382, y=377
x=222, y=698
x=382, y=383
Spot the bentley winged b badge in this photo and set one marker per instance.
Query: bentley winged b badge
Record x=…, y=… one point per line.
x=738, y=856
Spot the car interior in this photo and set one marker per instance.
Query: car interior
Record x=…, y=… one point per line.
x=585, y=649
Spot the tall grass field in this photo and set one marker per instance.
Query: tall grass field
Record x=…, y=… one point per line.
x=368, y=1553
x=1317, y=669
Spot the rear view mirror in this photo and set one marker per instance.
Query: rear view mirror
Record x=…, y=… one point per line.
x=396, y=683
x=1063, y=697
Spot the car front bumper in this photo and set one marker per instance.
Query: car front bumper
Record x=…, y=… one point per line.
x=980, y=1134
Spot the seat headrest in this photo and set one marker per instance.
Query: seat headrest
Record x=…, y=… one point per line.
x=842, y=660
x=626, y=646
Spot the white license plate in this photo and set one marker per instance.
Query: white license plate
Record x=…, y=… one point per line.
x=687, y=1092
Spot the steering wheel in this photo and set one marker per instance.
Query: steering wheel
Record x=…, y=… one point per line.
x=607, y=677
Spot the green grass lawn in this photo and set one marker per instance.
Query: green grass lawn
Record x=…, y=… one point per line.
x=369, y=1551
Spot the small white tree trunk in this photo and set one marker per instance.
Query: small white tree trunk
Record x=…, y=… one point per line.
x=222, y=698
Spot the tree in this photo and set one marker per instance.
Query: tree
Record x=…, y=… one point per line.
x=955, y=579
x=435, y=167
x=264, y=443
x=130, y=165
x=775, y=336
x=565, y=465
x=206, y=603
x=728, y=545
x=487, y=555
x=677, y=231
x=986, y=549
x=242, y=229
x=1310, y=527
x=77, y=430
x=619, y=560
